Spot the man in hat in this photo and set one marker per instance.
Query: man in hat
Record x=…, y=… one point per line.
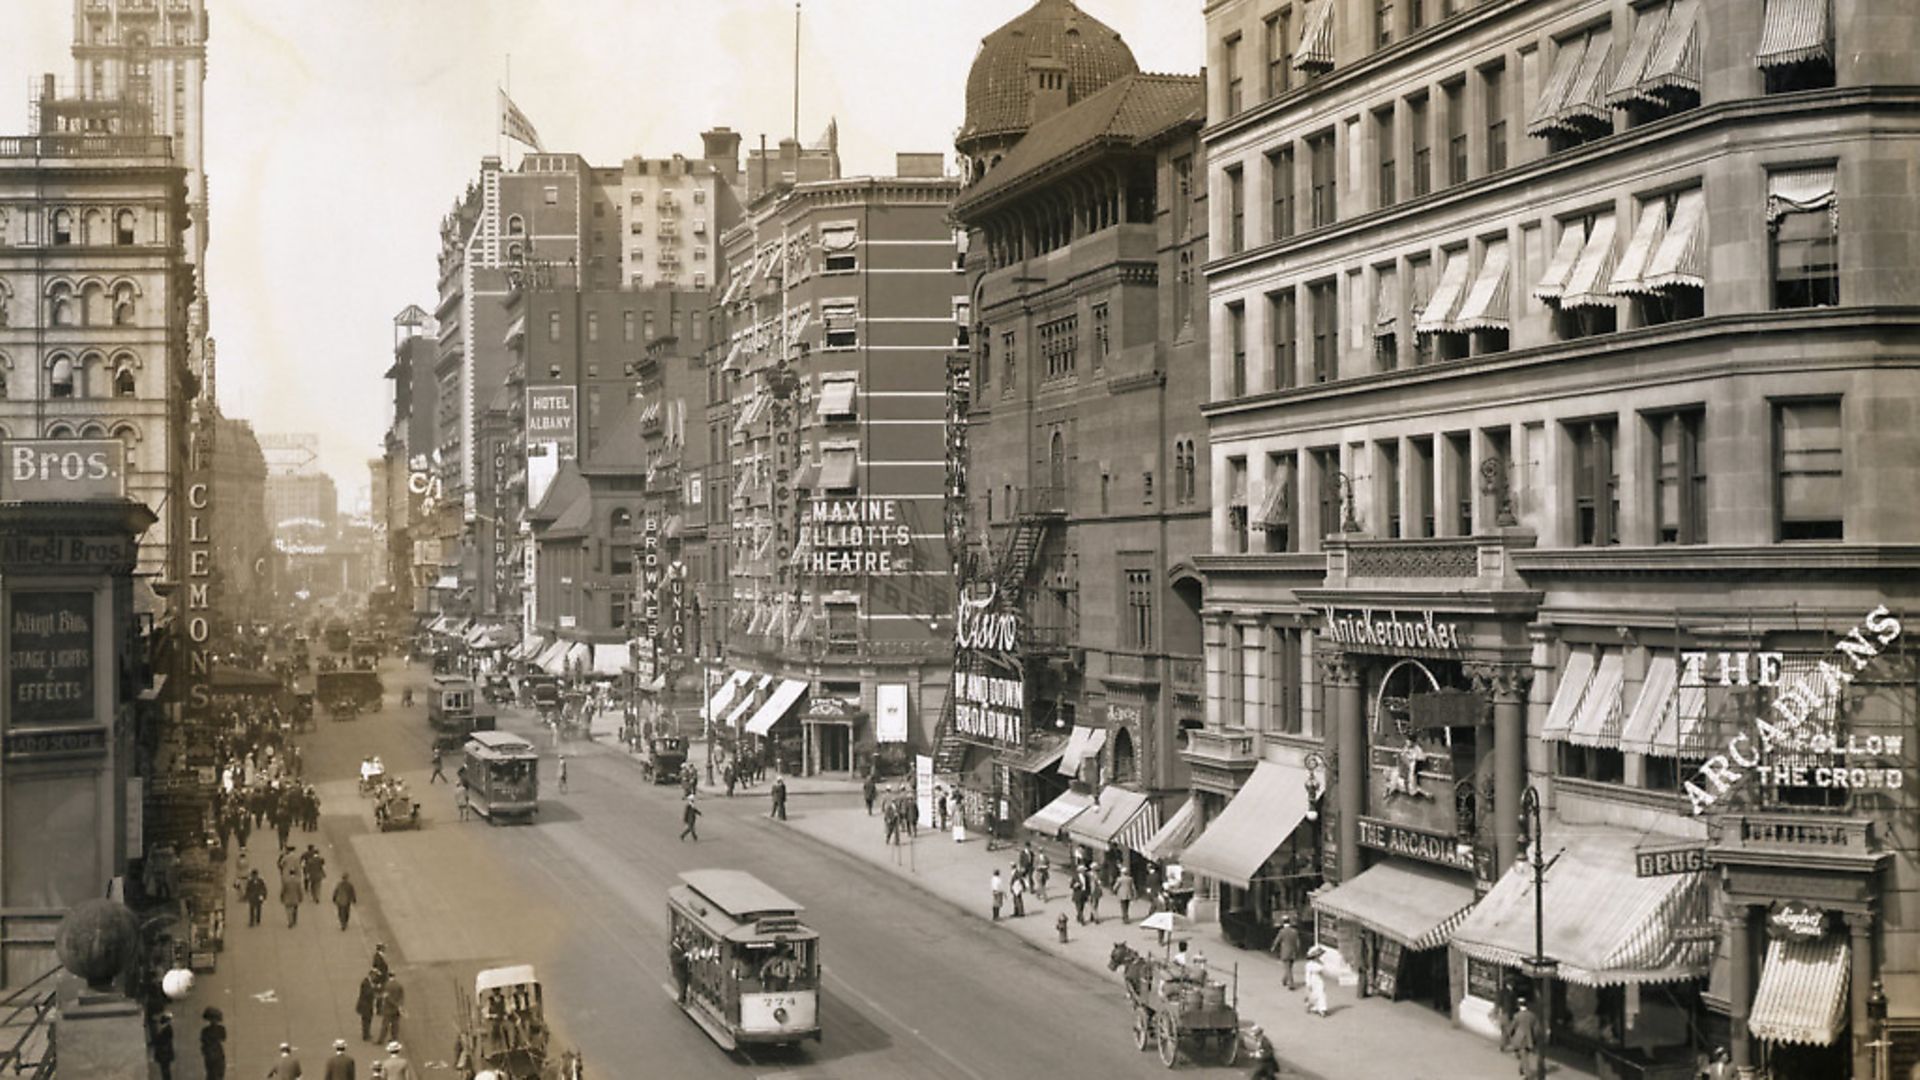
x=1524, y=1037
x=364, y=1004
x=344, y=896
x=313, y=866
x=1266, y=1065
x=1721, y=1067
x=393, y=1005
x=292, y=892
x=779, y=798
x=395, y=1066
x=213, y=1044
x=339, y=1066
x=286, y=1066
x=163, y=1044
x=255, y=893
x=1286, y=947
x=690, y=817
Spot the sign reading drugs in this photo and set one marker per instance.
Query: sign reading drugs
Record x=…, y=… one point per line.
x=47, y=470
x=551, y=413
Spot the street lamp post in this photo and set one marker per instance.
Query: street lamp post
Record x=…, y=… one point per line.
x=1540, y=966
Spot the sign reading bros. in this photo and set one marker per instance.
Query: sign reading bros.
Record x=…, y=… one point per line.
x=63, y=469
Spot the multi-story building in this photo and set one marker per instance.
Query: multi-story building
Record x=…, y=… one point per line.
x=1083, y=482
x=243, y=547
x=839, y=311
x=673, y=211
x=408, y=484
x=1559, y=430
x=303, y=499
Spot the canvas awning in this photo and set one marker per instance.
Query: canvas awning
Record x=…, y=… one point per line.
x=1587, y=285
x=1485, y=307
x=777, y=706
x=1802, y=997
x=1118, y=816
x=1051, y=820
x=1566, y=696
x=1677, y=260
x=1037, y=760
x=1648, y=22
x=528, y=648
x=611, y=660
x=836, y=396
x=1082, y=743
x=553, y=659
x=1629, y=275
x=741, y=707
x=579, y=656
x=1599, y=720
x=1316, y=39
x=1608, y=927
x=723, y=695
x=1587, y=97
x=1276, y=508
x=1256, y=821
x=1573, y=237
x=837, y=467
x=1663, y=57
x=1437, y=315
x=1173, y=837
x=1549, y=107
x=1417, y=906
x=1793, y=32
x=1386, y=312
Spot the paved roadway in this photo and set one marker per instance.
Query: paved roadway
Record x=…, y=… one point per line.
x=912, y=986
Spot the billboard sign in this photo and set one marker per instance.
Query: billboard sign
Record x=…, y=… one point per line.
x=552, y=417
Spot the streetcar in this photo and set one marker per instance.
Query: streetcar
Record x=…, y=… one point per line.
x=744, y=967
x=502, y=775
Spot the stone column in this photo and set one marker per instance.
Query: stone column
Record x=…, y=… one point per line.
x=1509, y=762
x=1349, y=725
x=1740, y=987
x=1860, y=955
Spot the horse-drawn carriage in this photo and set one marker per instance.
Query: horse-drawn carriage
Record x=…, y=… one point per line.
x=394, y=807
x=503, y=1030
x=1173, y=1001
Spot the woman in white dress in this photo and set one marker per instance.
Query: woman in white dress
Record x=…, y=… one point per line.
x=1316, y=972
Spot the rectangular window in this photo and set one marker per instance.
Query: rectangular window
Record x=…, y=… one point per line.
x=1324, y=313
x=552, y=195
x=1007, y=359
x=1422, y=136
x=1493, y=93
x=1453, y=97
x=1326, y=470
x=1280, y=183
x=626, y=326
x=1679, y=481
x=1060, y=346
x=1140, y=609
x=1279, y=53
x=1237, y=349
x=593, y=326
x=840, y=320
x=1283, y=684
x=1280, y=516
x=1236, y=210
x=1806, y=263
x=1230, y=68
x=1102, y=336
x=1382, y=23
x=1383, y=136
x=839, y=248
x=553, y=326
x=1321, y=170
x=1460, y=456
x=1387, y=461
x=1808, y=468
x=1420, y=492
x=1596, y=483
x=1237, y=505
x=646, y=326
x=1183, y=197
x=1282, y=323
x=1416, y=15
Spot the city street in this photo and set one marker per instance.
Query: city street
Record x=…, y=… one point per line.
x=912, y=987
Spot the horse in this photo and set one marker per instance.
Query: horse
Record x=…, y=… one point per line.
x=1137, y=968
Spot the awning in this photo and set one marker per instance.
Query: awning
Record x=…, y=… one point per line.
x=837, y=470
x=476, y=633
x=611, y=660
x=674, y=526
x=1083, y=743
x=1119, y=817
x=528, y=648
x=778, y=705
x=1566, y=696
x=1276, y=508
x=734, y=356
x=1174, y=836
x=1417, y=906
x=580, y=656
x=1630, y=274
x=553, y=659
x=438, y=625
x=1676, y=60
x=723, y=696
x=1386, y=312
x=1554, y=282
x=1254, y=824
x=1037, y=760
x=1802, y=997
x=1547, y=109
x=836, y=397
x=1052, y=819
x=1587, y=285
x=1793, y=32
x=1485, y=307
x=1437, y=315
x=740, y=709
x=1648, y=22
x=1316, y=39
x=1587, y=97
x=1605, y=926
x=1598, y=721
x=1677, y=260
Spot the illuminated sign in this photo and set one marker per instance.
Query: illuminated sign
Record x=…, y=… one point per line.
x=978, y=626
x=63, y=469
x=1666, y=861
x=1367, y=627
x=64, y=742
x=199, y=590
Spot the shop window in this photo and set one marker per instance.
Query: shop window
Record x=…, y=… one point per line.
x=1808, y=470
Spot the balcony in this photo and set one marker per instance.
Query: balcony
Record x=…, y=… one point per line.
x=86, y=146
x=1811, y=840
x=1045, y=501
x=1220, y=761
x=1133, y=670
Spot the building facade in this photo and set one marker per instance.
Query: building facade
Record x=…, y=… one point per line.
x=1559, y=455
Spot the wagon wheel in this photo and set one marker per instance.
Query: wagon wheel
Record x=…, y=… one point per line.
x=1230, y=1046
x=1167, y=1028
x=1142, y=1027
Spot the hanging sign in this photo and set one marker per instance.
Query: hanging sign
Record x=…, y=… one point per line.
x=1667, y=861
x=1795, y=920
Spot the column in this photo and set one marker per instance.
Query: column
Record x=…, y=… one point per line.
x=1740, y=987
x=1351, y=752
x=1509, y=685
x=1860, y=954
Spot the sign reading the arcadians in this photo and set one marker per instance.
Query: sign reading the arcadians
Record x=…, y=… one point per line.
x=854, y=536
x=990, y=708
x=50, y=657
x=1367, y=627
x=1413, y=843
x=550, y=417
x=63, y=469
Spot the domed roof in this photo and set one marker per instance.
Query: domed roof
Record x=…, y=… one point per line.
x=998, y=94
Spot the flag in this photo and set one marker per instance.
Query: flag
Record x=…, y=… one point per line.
x=515, y=125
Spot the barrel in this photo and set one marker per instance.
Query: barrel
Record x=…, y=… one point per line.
x=1213, y=996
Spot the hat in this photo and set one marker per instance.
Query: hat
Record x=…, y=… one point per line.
x=1316, y=952
x=339, y=1044
x=211, y=1013
x=1254, y=1030
x=286, y=1048
x=393, y=1047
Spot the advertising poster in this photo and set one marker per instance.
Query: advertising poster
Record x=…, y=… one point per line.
x=50, y=658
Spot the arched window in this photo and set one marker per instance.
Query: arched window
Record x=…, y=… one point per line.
x=516, y=226
x=1124, y=761
x=123, y=308
x=123, y=227
x=515, y=253
x=93, y=304
x=93, y=431
x=60, y=378
x=621, y=520
x=60, y=431
x=123, y=384
x=93, y=227
x=129, y=437
x=63, y=227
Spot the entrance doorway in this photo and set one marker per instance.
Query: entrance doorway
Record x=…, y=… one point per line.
x=832, y=747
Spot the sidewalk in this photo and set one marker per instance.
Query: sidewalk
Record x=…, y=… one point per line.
x=1361, y=1037
x=606, y=734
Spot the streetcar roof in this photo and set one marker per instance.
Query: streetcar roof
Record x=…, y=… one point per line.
x=496, y=978
x=499, y=744
x=739, y=893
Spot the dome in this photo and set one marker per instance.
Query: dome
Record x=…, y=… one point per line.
x=998, y=94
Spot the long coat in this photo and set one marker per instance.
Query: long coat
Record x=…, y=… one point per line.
x=344, y=895
x=291, y=888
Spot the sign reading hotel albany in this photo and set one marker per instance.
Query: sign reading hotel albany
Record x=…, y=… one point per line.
x=550, y=417
x=1413, y=843
x=1367, y=627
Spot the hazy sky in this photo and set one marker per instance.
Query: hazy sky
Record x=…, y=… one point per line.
x=339, y=133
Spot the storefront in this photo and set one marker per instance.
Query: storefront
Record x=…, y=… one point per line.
x=1259, y=852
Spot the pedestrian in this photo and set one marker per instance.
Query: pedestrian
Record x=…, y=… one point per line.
x=562, y=773
x=1721, y=1067
x=291, y=893
x=163, y=1044
x=460, y=799
x=255, y=893
x=282, y=825
x=1042, y=870
x=1060, y=927
x=691, y=816
x=242, y=828
x=286, y=1066
x=213, y=1045
x=1124, y=892
x=1018, y=888
x=439, y=771
x=393, y=1006
x=339, y=1066
x=315, y=866
x=396, y=1066
x=1023, y=862
x=868, y=789
x=369, y=995
x=1316, y=981
x=1286, y=947
x=729, y=777
x=1094, y=891
x=344, y=896
x=1522, y=1035
x=1080, y=898
x=779, y=798
x=381, y=969
x=1266, y=1065
x=999, y=893
x=958, y=814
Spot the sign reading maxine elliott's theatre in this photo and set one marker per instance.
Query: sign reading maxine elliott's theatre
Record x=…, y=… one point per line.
x=854, y=536
x=50, y=657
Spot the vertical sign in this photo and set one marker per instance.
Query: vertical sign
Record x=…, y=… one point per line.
x=647, y=663
x=923, y=785
x=199, y=615
x=676, y=613
x=52, y=658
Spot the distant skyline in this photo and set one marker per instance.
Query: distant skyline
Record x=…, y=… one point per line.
x=339, y=134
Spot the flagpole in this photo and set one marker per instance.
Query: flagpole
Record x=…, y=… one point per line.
x=796, y=70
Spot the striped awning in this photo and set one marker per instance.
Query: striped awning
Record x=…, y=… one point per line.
x=1629, y=275
x=1608, y=927
x=1119, y=816
x=1802, y=996
x=1417, y=906
x=723, y=694
x=528, y=648
x=1316, y=39
x=1573, y=237
x=1551, y=104
x=1587, y=97
x=1174, y=836
x=1051, y=820
x=1587, y=284
x=1566, y=696
x=1795, y=31
x=777, y=706
x=1675, y=63
x=553, y=658
x=1600, y=717
x=1677, y=261
x=1485, y=307
x=1437, y=315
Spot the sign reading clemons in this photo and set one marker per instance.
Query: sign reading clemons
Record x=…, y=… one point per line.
x=63, y=469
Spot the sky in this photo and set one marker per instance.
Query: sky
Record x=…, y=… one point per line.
x=340, y=132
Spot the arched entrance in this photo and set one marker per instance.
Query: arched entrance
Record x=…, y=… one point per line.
x=1057, y=461
x=1124, y=765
